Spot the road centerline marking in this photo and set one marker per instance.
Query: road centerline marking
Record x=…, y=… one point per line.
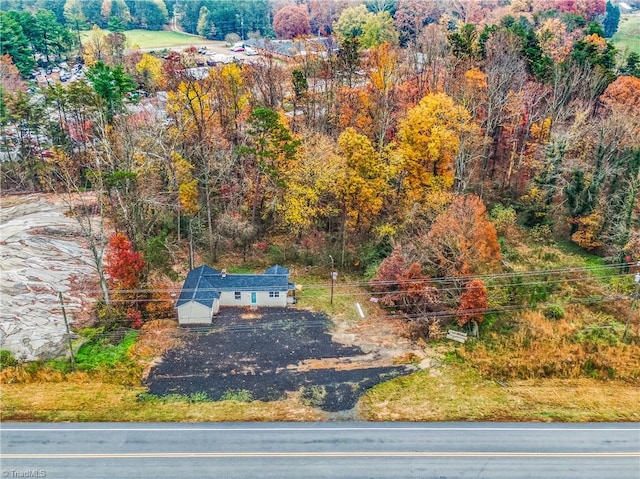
x=354, y=454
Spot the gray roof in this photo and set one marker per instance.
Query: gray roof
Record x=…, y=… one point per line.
x=277, y=269
x=198, y=288
x=204, y=284
x=289, y=48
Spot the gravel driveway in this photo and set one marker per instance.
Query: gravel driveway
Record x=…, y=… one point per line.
x=267, y=354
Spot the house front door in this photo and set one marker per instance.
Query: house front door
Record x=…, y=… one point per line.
x=254, y=298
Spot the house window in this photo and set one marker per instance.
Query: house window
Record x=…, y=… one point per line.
x=237, y=295
x=274, y=294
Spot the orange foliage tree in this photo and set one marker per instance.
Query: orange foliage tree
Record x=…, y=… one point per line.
x=462, y=241
x=623, y=93
x=473, y=302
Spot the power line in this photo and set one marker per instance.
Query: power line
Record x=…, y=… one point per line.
x=436, y=280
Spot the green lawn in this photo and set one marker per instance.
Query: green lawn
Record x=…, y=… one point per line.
x=156, y=39
x=628, y=34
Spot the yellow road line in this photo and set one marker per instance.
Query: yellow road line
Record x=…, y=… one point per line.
x=143, y=455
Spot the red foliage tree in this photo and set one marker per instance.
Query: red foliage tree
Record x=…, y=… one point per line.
x=291, y=21
x=123, y=264
x=473, y=302
x=404, y=285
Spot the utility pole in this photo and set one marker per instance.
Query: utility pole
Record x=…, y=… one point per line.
x=66, y=324
x=633, y=301
x=334, y=276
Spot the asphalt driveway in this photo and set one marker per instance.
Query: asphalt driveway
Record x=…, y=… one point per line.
x=265, y=354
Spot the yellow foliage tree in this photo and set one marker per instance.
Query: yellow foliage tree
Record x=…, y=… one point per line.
x=187, y=185
x=362, y=180
x=150, y=70
x=95, y=47
x=428, y=141
x=310, y=179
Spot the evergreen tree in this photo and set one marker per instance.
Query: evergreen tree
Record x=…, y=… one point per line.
x=15, y=43
x=611, y=20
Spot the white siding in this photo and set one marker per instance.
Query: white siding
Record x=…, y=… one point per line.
x=227, y=298
x=265, y=300
x=195, y=313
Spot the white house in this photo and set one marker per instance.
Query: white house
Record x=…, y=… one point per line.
x=206, y=289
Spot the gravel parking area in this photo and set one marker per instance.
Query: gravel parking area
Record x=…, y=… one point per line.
x=265, y=354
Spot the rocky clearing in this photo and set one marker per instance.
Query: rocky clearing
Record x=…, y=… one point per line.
x=41, y=252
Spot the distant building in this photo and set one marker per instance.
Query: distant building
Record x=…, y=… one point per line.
x=288, y=49
x=206, y=289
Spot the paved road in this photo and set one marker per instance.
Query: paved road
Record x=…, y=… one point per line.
x=341, y=450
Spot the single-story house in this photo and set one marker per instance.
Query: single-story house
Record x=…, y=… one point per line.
x=206, y=289
x=288, y=49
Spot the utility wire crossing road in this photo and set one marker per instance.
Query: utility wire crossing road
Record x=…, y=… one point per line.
x=352, y=450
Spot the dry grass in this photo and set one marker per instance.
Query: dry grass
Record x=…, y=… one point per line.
x=582, y=343
x=156, y=337
x=458, y=393
x=93, y=401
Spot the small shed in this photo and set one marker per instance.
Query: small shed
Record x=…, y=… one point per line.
x=198, y=300
x=206, y=289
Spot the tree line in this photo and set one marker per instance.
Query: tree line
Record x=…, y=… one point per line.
x=406, y=156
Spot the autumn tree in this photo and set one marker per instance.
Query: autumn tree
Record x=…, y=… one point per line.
x=362, y=183
x=272, y=147
x=428, y=141
x=323, y=14
x=412, y=16
x=473, y=303
x=623, y=93
x=124, y=265
x=402, y=285
x=95, y=47
x=462, y=240
x=150, y=70
x=310, y=184
x=10, y=78
x=382, y=66
x=291, y=21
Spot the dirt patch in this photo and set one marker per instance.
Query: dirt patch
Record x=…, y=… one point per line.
x=283, y=351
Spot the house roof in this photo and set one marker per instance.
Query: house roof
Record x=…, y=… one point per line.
x=288, y=48
x=197, y=287
x=204, y=284
x=277, y=269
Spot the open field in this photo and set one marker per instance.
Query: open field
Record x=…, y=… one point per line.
x=628, y=34
x=147, y=39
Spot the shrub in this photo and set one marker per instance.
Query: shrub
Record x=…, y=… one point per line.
x=7, y=359
x=505, y=220
x=241, y=395
x=553, y=311
x=99, y=353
